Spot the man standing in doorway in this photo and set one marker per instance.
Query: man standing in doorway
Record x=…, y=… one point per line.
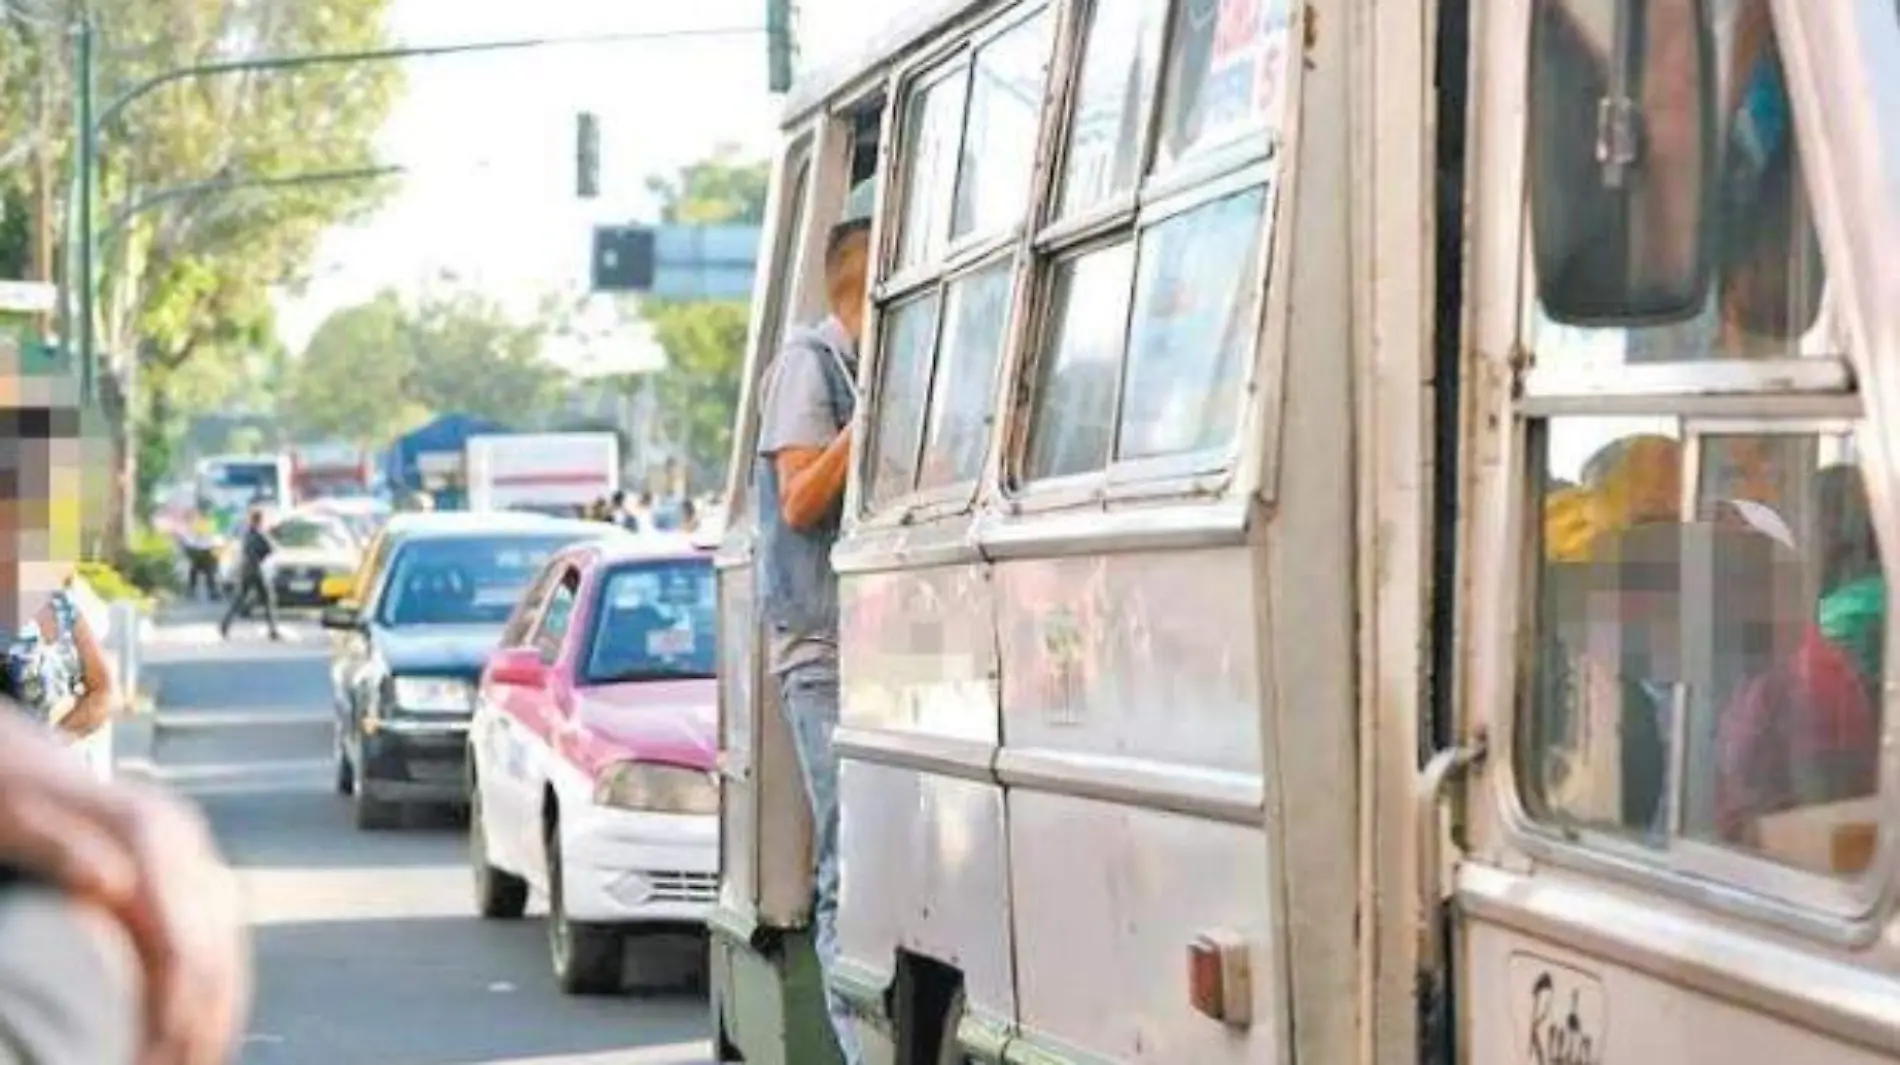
x=804, y=449
x=255, y=548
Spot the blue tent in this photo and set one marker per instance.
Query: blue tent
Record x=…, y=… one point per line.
x=448, y=433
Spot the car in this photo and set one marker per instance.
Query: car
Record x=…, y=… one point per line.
x=313, y=549
x=593, y=754
x=427, y=608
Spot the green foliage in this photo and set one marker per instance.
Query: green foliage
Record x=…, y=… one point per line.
x=727, y=189
x=705, y=341
x=376, y=370
x=147, y=566
x=699, y=390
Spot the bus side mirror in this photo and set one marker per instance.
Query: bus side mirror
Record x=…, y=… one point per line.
x=1621, y=160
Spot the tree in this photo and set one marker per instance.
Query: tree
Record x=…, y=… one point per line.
x=726, y=189
x=704, y=342
x=190, y=279
x=376, y=370
x=351, y=382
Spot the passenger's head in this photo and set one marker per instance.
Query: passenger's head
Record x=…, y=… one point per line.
x=847, y=260
x=848, y=257
x=43, y=453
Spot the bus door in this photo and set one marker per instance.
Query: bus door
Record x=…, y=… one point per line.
x=765, y=825
x=1678, y=825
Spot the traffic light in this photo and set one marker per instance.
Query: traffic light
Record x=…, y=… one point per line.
x=778, y=45
x=623, y=259
x=587, y=156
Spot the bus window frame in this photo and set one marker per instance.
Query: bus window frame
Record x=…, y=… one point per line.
x=953, y=57
x=1265, y=155
x=1811, y=394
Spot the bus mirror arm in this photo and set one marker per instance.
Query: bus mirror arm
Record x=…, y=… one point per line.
x=1435, y=781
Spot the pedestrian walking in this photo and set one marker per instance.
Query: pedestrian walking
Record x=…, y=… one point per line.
x=253, y=551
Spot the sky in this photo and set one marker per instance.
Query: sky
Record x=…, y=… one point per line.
x=486, y=141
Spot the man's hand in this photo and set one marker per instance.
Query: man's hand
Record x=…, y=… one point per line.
x=147, y=859
x=811, y=479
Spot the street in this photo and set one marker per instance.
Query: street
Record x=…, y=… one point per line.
x=366, y=946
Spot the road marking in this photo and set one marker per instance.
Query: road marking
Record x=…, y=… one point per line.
x=272, y=768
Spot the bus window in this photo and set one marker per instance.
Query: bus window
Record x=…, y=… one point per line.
x=1709, y=664
x=1112, y=100
x=1226, y=65
x=1149, y=337
x=1083, y=357
x=967, y=151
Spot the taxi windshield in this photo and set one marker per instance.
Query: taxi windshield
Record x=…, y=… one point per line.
x=654, y=621
x=470, y=580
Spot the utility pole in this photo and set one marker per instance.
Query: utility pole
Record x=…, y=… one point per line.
x=85, y=191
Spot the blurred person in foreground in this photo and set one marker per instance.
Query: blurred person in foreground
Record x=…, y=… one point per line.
x=121, y=939
x=804, y=451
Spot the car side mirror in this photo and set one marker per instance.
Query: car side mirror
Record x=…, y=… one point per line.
x=518, y=667
x=343, y=617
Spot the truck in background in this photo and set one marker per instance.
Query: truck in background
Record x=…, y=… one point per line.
x=550, y=473
x=228, y=485
x=330, y=470
x=432, y=460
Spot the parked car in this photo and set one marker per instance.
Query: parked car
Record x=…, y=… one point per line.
x=593, y=752
x=424, y=614
x=313, y=548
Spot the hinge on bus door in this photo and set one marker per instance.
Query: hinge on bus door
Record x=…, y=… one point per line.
x=1435, y=784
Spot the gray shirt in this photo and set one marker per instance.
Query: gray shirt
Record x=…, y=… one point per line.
x=795, y=411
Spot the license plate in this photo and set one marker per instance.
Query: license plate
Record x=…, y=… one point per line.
x=303, y=585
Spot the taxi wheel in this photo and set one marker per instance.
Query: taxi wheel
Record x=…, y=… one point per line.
x=499, y=894
x=588, y=960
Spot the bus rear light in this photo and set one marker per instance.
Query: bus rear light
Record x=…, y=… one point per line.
x=1220, y=985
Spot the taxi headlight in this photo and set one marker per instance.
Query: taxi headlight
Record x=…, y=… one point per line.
x=432, y=695
x=663, y=789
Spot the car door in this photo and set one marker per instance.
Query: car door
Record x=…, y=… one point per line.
x=530, y=719
x=497, y=744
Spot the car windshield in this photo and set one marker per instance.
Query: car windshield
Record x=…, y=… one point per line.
x=465, y=580
x=302, y=534
x=655, y=621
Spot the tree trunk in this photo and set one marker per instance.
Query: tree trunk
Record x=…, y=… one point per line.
x=115, y=394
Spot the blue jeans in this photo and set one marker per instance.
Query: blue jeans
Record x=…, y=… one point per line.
x=808, y=697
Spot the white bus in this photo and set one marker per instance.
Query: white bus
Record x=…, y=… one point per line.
x=1367, y=540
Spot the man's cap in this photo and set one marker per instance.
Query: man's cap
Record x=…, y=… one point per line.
x=859, y=204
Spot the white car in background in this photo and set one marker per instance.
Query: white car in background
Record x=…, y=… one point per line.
x=312, y=548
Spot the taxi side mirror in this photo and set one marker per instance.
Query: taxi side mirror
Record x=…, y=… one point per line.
x=518, y=667
x=343, y=617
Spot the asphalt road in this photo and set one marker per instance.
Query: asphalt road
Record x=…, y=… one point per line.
x=367, y=949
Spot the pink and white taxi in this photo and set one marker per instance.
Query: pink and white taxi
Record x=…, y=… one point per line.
x=592, y=753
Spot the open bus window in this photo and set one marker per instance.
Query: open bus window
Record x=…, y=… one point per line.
x=1708, y=664
x=1756, y=227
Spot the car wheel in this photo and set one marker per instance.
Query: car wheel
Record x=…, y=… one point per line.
x=499, y=894
x=588, y=959
x=370, y=813
x=345, y=772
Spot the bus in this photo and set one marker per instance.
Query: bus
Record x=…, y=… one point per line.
x=1366, y=540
